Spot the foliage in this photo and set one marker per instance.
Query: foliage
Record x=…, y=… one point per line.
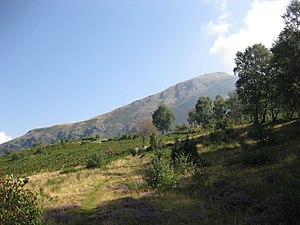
x=180, y=128
x=202, y=114
x=57, y=157
x=252, y=67
x=18, y=205
x=183, y=164
x=163, y=118
x=186, y=149
x=145, y=128
x=234, y=110
x=286, y=59
x=160, y=174
x=156, y=142
x=219, y=112
x=95, y=161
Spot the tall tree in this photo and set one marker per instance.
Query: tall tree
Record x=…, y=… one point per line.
x=252, y=68
x=163, y=118
x=286, y=59
x=202, y=114
x=145, y=128
x=235, y=111
x=219, y=112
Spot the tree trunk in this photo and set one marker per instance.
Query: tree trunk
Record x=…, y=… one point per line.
x=256, y=116
x=264, y=116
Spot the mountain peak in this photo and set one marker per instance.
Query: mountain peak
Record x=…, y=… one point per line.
x=180, y=97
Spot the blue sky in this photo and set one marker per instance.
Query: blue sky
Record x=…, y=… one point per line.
x=69, y=60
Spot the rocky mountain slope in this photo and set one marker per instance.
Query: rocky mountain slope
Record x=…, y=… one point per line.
x=180, y=97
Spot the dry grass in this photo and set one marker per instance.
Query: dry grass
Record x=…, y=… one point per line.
x=88, y=188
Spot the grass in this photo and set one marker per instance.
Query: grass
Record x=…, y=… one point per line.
x=101, y=194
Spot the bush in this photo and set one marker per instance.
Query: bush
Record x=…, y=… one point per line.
x=183, y=165
x=187, y=148
x=95, y=161
x=18, y=205
x=156, y=142
x=133, y=152
x=161, y=174
x=15, y=156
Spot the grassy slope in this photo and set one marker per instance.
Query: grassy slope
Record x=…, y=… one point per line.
x=252, y=177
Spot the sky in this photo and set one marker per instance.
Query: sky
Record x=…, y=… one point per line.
x=69, y=60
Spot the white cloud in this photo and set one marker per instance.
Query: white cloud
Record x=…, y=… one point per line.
x=220, y=27
x=4, y=137
x=263, y=23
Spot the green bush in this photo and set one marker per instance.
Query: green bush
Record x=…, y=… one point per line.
x=187, y=148
x=183, y=165
x=156, y=142
x=18, y=205
x=161, y=174
x=16, y=156
x=95, y=161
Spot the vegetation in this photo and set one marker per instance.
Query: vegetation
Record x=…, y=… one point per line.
x=163, y=118
x=225, y=168
x=18, y=205
x=145, y=128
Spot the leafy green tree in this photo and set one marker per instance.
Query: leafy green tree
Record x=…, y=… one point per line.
x=219, y=112
x=192, y=118
x=252, y=67
x=202, y=114
x=18, y=205
x=286, y=60
x=163, y=118
x=234, y=115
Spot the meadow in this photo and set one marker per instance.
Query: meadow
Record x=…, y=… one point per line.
x=248, y=176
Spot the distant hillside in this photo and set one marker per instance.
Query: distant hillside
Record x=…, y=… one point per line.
x=180, y=97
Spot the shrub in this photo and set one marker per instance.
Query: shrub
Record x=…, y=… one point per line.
x=15, y=156
x=187, y=149
x=183, y=165
x=161, y=174
x=18, y=205
x=95, y=161
x=133, y=152
x=156, y=142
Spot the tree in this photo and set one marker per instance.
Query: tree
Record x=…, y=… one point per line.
x=252, y=68
x=145, y=128
x=163, y=118
x=235, y=109
x=286, y=60
x=202, y=114
x=219, y=112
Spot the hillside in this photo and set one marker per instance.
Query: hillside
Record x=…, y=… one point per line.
x=180, y=97
x=247, y=177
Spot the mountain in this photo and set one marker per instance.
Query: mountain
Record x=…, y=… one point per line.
x=181, y=98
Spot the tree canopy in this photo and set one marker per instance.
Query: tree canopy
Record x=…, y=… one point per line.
x=163, y=118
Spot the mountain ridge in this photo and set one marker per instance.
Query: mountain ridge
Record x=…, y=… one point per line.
x=181, y=97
